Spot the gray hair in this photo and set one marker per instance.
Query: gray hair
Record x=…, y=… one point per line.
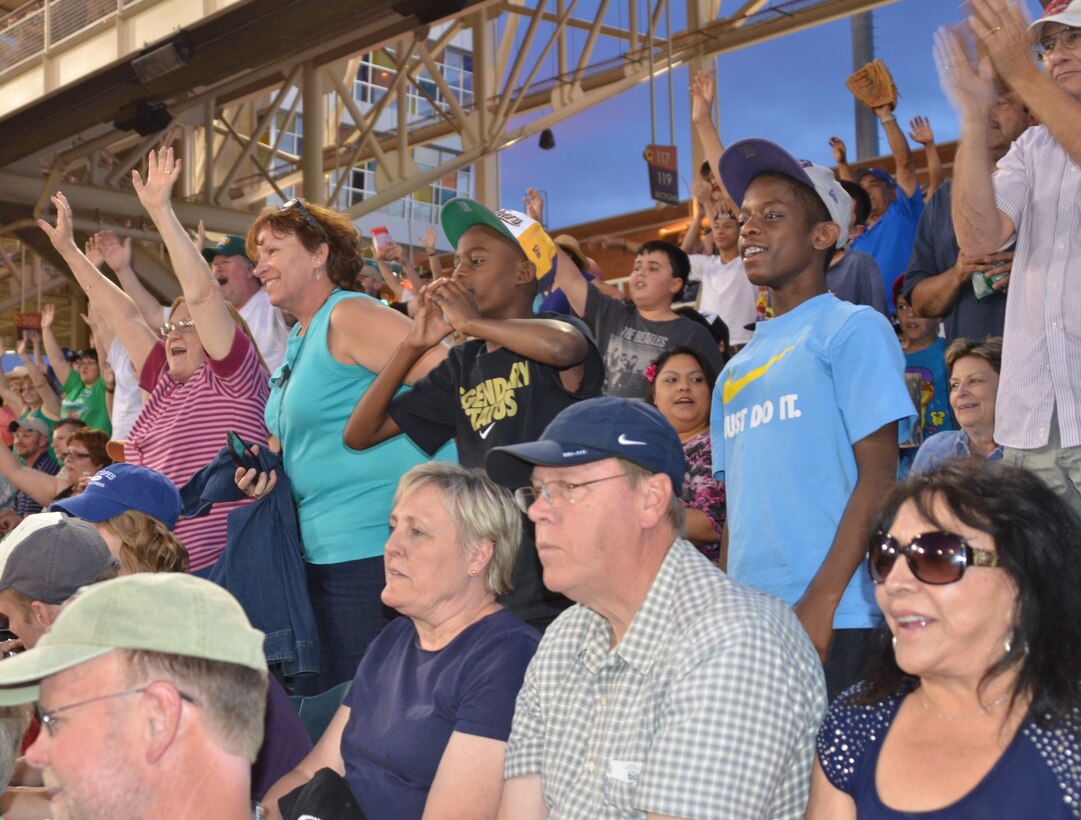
x=676, y=515
x=481, y=510
x=13, y=723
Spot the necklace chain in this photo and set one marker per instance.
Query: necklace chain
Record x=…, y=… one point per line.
x=983, y=710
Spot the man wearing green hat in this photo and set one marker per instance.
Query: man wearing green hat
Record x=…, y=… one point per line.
x=233, y=269
x=151, y=690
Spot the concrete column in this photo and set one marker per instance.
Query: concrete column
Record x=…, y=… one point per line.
x=863, y=52
x=314, y=136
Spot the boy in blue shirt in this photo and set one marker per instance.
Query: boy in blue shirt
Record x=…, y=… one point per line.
x=805, y=418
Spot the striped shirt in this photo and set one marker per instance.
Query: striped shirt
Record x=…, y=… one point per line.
x=707, y=708
x=1038, y=186
x=183, y=426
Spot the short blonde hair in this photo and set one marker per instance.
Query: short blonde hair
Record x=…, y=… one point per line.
x=481, y=510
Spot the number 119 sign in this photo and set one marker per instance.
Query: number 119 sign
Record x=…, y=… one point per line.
x=663, y=176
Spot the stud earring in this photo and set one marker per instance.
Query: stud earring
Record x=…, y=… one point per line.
x=894, y=641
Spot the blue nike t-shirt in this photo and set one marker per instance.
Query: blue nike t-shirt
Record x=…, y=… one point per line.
x=786, y=412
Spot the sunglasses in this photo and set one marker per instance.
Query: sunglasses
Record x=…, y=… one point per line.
x=933, y=557
x=169, y=327
x=302, y=209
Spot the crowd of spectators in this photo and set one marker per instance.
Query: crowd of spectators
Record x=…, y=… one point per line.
x=333, y=539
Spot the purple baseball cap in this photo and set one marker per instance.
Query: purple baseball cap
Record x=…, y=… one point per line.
x=746, y=159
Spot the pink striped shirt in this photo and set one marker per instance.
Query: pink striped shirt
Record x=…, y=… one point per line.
x=183, y=426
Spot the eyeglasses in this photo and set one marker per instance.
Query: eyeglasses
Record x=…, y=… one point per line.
x=933, y=557
x=557, y=493
x=73, y=454
x=169, y=327
x=1069, y=39
x=50, y=720
x=299, y=206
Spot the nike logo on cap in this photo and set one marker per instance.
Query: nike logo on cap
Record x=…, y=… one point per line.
x=625, y=441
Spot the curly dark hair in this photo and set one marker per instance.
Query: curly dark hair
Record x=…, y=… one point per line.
x=1036, y=536
x=345, y=259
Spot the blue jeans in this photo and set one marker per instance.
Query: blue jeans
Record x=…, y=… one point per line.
x=348, y=614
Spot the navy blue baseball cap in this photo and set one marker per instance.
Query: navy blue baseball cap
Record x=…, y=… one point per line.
x=594, y=430
x=122, y=487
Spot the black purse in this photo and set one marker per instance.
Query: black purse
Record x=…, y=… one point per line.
x=325, y=797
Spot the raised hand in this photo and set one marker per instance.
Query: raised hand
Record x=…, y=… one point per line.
x=971, y=90
x=48, y=315
x=1000, y=25
x=162, y=172
x=429, y=326
x=428, y=239
x=93, y=253
x=21, y=346
x=702, y=191
x=534, y=204
x=455, y=301
x=116, y=254
x=840, y=150
x=62, y=235
x=921, y=130
x=200, y=235
x=702, y=89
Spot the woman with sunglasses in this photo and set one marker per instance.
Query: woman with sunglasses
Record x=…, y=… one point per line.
x=974, y=708
x=308, y=258
x=202, y=370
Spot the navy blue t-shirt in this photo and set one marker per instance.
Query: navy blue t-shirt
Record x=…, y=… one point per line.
x=406, y=701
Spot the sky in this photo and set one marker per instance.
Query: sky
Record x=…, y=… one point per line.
x=790, y=90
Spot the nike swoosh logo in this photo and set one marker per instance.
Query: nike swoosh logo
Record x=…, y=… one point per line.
x=484, y=433
x=625, y=441
x=732, y=387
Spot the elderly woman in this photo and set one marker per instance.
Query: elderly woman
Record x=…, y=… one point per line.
x=84, y=455
x=204, y=375
x=423, y=730
x=681, y=386
x=973, y=708
x=973, y=368
x=308, y=258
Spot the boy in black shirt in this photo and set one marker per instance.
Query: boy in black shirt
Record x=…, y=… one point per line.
x=502, y=386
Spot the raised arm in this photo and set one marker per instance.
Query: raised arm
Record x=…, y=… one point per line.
x=40, y=486
x=8, y=393
x=921, y=132
x=702, y=90
x=428, y=240
x=111, y=303
x=1002, y=29
x=568, y=278
x=117, y=255
x=50, y=402
x=52, y=346
x=981, y=228
x=699, y=194
x=213, y=322
x=840, y=156
x=905, y=174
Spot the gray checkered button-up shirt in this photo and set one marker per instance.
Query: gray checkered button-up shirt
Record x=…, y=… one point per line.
x=707, y=708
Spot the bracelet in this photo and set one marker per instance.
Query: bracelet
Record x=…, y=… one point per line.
x=110, y=389
x=430, y=251
x=885, y=120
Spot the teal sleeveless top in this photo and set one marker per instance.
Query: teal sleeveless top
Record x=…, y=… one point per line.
x=343, y=496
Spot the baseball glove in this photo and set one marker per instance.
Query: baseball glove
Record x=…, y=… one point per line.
x=873, y=85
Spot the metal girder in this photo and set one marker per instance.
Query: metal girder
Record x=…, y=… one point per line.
x=513, y=89
x=261, y=63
